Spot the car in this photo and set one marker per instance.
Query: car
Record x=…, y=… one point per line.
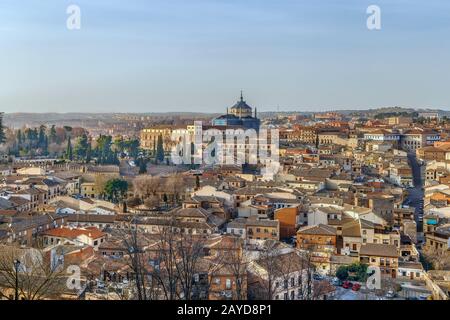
x=356, y=287
x=347, y=285
x=390, y=294
x=336, y=281
x=317, y=276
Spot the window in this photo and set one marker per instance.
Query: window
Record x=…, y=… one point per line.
x=292, y=282
x=285, y=296
x=285, y=284
x=292, y=295
x=228, y=283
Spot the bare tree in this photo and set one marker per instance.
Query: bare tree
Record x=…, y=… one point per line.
x=174, y=185
x=440, y=259
x=146, y=186
x=268, y=272
x=189, y=251
x=306, y=290
x=236, y=261
x=29, y=274
x=165, y=272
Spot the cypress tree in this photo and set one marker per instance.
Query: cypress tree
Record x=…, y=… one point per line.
x=69, y=153
x=2, y=129
x=160, y=149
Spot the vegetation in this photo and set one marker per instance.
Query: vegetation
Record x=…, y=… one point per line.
x=2, y=131
x=353, y=272
x=116, y=189
x=159, y=150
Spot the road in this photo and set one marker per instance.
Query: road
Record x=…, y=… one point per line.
x=416, y=194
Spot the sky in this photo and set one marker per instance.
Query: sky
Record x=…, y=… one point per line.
x=196, y=55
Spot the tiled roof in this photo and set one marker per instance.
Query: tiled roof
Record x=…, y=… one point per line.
x=72, y=233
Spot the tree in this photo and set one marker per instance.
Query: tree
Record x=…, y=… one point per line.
x=342, y=273
x=29, y=273
x=236, y=261
x=103, y=151
x=41, y=136
x=100, y=183
x=2, y=129
x=88, y=153
x=81, y=147
x=52, y=136
x=69, y=153
x=269, y=258
x=160, y=150
x=146, y=186
x=174, y=185
x=19, y=137
x=116, y=189
x=132, y=147
x=197, y=182
x=142, y=166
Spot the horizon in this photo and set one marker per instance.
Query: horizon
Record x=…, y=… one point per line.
x=263, y=111
x=150, y=56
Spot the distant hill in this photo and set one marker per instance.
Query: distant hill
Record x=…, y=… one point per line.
x=20, y=119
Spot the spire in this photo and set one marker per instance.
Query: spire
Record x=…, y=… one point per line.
x=242, y=98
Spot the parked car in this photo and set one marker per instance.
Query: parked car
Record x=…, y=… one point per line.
x=317, y=276
x=336, y=281
x=347, y=285
x=356, y=287
x=390, y=294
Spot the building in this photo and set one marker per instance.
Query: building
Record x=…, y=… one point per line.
x=76, y=236
x=239, y=115
x=288, y=218
x=383, y=256
x=257, y=229
x=321, y=241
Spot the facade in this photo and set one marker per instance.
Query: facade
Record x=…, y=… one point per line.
x=384, y=256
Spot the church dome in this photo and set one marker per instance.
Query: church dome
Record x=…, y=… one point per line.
x=241, y=106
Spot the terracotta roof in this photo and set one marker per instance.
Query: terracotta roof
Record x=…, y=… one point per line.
x=351, y=229
x=379, y=250
x=72, y=233
x=320, y=229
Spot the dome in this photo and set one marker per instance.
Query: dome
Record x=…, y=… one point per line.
x=241, y=106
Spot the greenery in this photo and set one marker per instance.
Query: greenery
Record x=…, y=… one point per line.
x=142, y=163
x=353, y=272
x=72, y=144
x=103, y=151
x=2, y=132
x=69, y=152
x=159, y=150
x=116, y=189
x=81, y=147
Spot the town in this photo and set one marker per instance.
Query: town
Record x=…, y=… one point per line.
x=97, y=210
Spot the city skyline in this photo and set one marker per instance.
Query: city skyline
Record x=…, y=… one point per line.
x=146, y=57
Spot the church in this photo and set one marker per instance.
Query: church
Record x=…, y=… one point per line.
x=239, y=115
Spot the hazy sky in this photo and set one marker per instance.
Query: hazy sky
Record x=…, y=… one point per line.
x=196, y=55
